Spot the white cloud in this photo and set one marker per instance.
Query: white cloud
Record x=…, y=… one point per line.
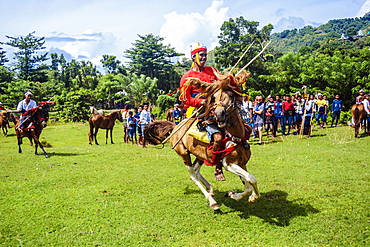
x=180, y=30
x=90, y=44
x=289, y=23
x=364, y=9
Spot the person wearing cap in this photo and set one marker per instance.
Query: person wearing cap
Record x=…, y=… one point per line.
x=27, y=103
x=360, y=97
x=24, y=105
x=209, y=75
x=322, y=109
x=176, y=114
x=270, y=103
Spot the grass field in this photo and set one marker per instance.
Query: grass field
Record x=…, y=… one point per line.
x=315, y=192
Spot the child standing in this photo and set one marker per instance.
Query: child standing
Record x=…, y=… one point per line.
x=269, y=116
x=131, y=127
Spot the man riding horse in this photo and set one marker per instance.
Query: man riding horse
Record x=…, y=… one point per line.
x=24, y=105
x=189, y=93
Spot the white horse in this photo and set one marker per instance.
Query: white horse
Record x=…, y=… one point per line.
x=94, y=111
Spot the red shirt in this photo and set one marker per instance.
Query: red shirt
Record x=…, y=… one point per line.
x=288, y=106
x=207, y=75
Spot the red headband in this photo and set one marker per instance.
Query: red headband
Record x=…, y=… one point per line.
x=198, y=50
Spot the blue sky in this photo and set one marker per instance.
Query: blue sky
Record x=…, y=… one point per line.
x=87, y=29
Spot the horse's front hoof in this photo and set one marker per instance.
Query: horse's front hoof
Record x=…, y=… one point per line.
x=215, y=206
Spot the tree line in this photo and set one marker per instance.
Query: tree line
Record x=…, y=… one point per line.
x=153, y=69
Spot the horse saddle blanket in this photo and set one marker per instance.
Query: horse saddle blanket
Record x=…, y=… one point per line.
x=197, y=134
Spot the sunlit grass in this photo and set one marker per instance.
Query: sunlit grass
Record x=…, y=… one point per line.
x=315, y=192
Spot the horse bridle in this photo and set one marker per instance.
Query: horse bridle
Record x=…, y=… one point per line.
x=228, y=109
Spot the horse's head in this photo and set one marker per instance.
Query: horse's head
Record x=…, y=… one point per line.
x=119, y=116
x=43, y=112
x=222, y=96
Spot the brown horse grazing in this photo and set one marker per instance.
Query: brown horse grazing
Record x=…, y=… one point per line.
x=223, y=101
x=359, y=114
x=32, y=125
x=97, y=121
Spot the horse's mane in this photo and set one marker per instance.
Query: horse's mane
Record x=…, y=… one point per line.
x=225, y=82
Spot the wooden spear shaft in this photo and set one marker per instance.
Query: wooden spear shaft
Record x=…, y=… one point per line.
x=257, y=56
x=242, y=57
x=182, y=124
x=177, y=142
x=304, y=115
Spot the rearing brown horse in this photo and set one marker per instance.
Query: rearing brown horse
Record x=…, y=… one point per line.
x=34, y=122
x=97, y=121
x=223, y=102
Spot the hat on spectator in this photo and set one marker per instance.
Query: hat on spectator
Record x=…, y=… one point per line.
x=27, y=93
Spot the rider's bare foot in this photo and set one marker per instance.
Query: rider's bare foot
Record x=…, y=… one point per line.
x=219, y=176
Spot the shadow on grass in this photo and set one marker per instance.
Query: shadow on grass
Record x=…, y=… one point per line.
x=62, y=154
x=318, y=135
x=362, y=134
x=273, y=207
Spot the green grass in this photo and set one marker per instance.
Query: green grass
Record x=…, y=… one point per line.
x=315, y=192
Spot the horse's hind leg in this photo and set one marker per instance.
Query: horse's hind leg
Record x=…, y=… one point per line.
x=19, y=144
x=95, y=133
x=250, y=184
x=111, y=136
x=43, y=150
x=38, y=143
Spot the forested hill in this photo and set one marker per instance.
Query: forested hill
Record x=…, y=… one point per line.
x=293, y=40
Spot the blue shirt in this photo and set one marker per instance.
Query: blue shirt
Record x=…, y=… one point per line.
x=278, y=111
x=337, y=105
x=131, y=124
x=176, y=113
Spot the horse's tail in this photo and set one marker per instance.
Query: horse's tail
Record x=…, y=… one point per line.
x=357, y=116
x=157, y=131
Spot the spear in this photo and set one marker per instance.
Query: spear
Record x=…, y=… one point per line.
x=242, y=56
x=182, y=124
x=304, y=114
x=257, y=56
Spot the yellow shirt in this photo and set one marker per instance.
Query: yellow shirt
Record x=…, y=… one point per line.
x=320, y=103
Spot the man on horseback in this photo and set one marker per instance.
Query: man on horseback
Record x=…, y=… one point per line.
x=24, y=105
x=206, y=74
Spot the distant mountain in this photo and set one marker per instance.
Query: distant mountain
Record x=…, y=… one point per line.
x=293, y=40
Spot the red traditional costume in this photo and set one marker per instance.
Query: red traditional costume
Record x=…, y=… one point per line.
x=209, y=74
